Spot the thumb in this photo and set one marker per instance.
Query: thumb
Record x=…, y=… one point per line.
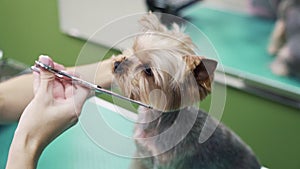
x=46, y=78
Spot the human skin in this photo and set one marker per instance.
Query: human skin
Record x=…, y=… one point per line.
x=16, y=93
x=55, y=107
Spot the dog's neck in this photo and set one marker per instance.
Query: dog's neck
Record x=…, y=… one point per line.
x=150, y=120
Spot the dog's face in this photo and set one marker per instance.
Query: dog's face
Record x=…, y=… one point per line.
x=161, y=69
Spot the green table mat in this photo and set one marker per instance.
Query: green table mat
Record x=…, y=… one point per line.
x=76, y=148
x=241, y=42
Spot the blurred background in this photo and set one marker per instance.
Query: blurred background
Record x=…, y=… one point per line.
x=263, y=108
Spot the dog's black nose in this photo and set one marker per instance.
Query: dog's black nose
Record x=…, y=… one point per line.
x=116, y=65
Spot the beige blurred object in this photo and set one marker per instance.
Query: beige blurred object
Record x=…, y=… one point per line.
x=95, y=20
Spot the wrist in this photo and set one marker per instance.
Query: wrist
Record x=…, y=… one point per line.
x=25, y=143
x=23, y=152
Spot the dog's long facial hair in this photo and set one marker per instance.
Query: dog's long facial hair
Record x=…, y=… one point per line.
x=162, y=69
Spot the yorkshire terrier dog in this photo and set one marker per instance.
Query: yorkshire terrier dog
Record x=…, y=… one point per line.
x=162, y=69
x=285, y=39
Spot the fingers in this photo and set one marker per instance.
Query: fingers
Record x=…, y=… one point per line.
x=46, y=79
x=59, y=66
x=48, y=86
x=77, y=93
x=69, y=86
x=58, y=89
x=80, y=95
x=36, y=81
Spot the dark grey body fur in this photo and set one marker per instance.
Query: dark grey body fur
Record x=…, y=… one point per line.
x=285, y=39
x=223, y=150
x=292, y=21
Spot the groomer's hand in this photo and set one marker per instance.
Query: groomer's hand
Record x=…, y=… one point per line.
x=54, y=108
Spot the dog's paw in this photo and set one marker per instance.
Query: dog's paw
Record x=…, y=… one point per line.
x=279, y=68
x=272, y=49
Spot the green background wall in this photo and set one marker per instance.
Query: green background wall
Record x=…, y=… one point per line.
x=30, y=28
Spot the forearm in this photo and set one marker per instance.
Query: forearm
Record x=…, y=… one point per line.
x=23, y=153
x=15, y=94
x=99, y=73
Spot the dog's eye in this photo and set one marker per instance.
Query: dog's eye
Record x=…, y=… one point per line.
x=148, y=71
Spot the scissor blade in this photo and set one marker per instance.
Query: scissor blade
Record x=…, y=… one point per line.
x=82, y=82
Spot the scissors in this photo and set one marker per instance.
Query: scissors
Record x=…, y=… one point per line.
x=97, y=88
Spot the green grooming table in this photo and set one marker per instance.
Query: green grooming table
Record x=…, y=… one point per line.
x=241, y=41
x=77, y=148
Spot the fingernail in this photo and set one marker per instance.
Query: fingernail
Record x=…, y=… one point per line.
x=44, y=59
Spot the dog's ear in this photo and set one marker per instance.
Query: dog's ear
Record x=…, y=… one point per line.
x=202, y=68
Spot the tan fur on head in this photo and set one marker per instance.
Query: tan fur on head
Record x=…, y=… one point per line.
x=162, y=70
x=203, y=70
